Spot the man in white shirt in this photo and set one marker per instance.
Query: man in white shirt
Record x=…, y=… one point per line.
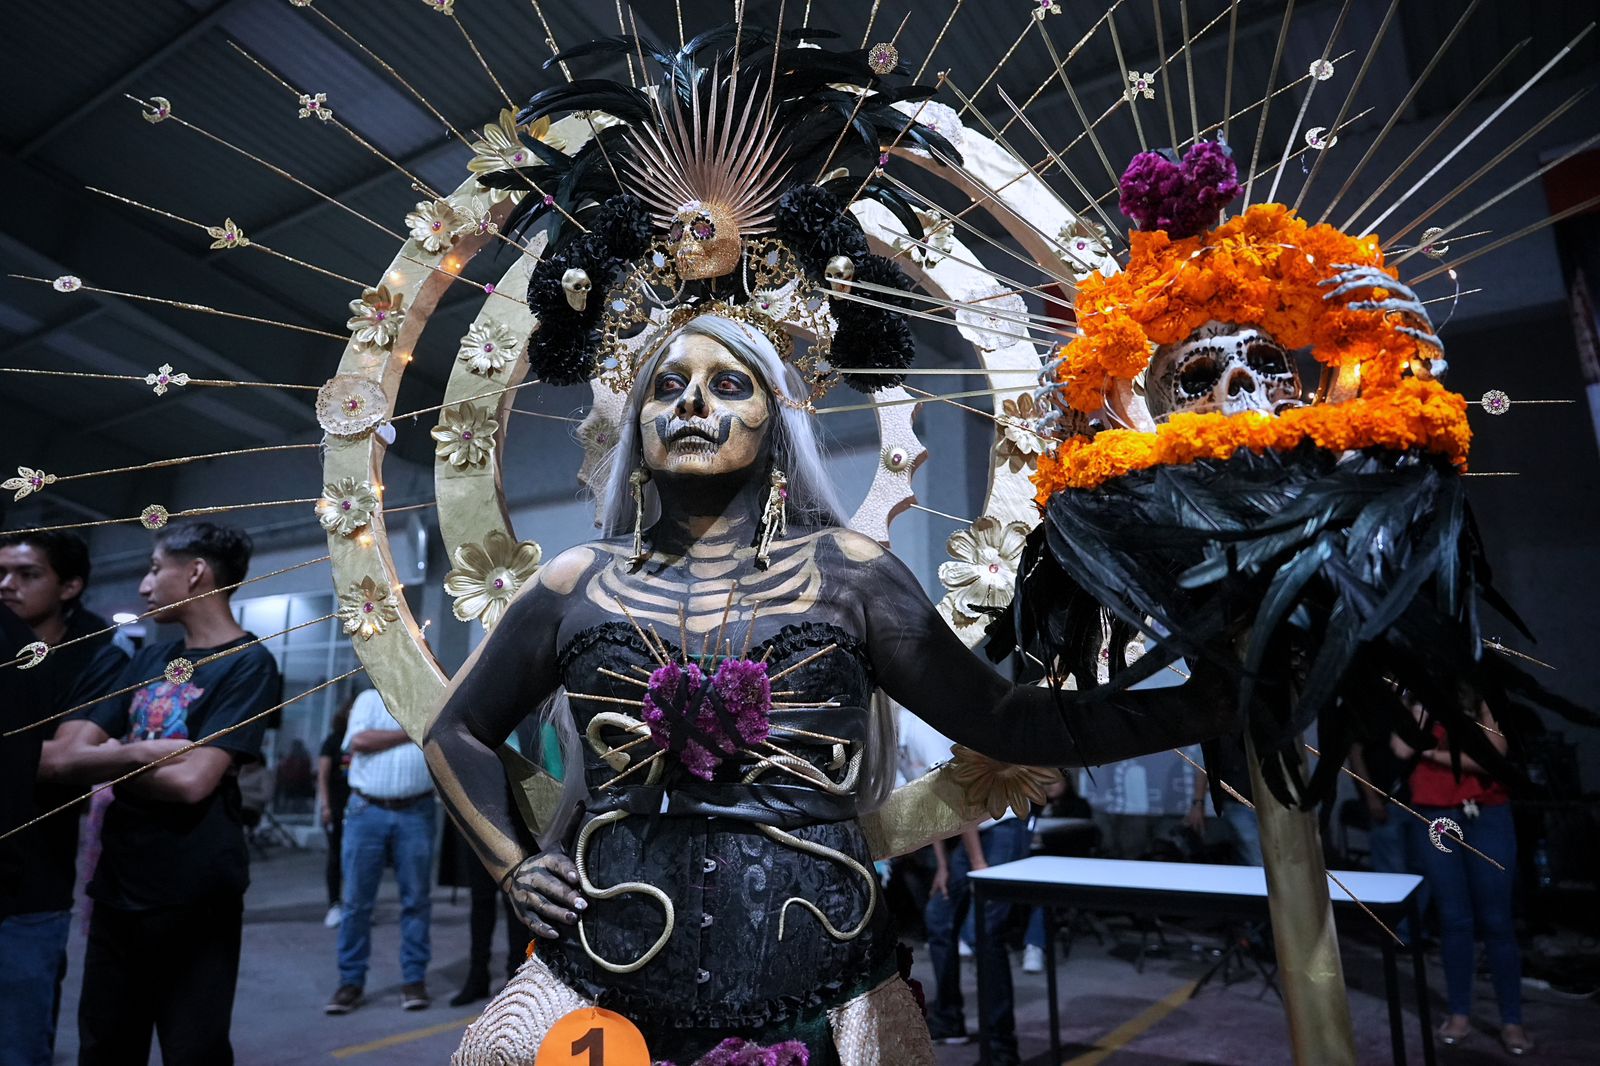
x=388, y=820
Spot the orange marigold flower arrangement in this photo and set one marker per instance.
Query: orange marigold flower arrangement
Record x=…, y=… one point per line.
x=1415, y=413
x=1265, y=267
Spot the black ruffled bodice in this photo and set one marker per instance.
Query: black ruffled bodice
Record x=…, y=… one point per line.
x=729, y=853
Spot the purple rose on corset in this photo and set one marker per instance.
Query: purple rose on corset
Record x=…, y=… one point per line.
x=747, y=694
x=735, y=1051
x=681, y=707
x=1159, y=193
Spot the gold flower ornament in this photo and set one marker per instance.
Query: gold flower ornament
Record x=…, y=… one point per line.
x=983, y=569
x=367, y=608
x=993, y=786
x=487, y=576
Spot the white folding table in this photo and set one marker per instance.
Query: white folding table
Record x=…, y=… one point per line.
x=1193, y=889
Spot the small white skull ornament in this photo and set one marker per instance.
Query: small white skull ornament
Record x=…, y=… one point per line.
x=1225, y=368
x=577, y=285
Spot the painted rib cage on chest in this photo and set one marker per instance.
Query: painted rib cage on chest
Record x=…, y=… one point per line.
x=694, y=592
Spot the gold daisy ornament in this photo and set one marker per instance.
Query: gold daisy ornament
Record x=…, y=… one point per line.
x=346, y=506
x=487, y=576
x=992, y=786
x=433, y=224
x=465, y=436
x=488, y=348
x=983, y=569
x=367, y=608
x=376, y=318
x=1019, y=444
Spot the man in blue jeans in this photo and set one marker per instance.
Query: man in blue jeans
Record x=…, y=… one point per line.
x=388, y=820
x=990, y=844
x=43, y=578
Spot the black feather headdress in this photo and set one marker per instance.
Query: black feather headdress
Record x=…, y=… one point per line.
x=731, y=173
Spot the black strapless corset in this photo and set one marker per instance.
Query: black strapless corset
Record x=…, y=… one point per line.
x=775, y=912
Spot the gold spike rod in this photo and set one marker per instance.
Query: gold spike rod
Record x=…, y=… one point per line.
x=1449, y=229
x=1461, y=145
x=1166, y=84
x=1435, y=133
x=1272, y=77
x=1399, y=110
x=1305, y=105
x=1122, y=64
x=1349, y=99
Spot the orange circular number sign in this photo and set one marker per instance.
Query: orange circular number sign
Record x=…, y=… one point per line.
x=593, y=1037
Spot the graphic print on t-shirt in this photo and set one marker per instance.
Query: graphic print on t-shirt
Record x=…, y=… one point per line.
x=161, y=711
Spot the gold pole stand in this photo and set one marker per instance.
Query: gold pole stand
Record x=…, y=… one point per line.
x=1309, y=966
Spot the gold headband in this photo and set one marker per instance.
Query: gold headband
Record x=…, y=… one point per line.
x=770, y=269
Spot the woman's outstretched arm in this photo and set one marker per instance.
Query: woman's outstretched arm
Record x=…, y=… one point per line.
x=924, y=666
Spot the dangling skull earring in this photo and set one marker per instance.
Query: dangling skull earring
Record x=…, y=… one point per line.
x=774, y=518
x=637, y=480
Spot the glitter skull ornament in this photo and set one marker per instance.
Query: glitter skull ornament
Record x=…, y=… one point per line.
x=704, y=241
x=1223, y=368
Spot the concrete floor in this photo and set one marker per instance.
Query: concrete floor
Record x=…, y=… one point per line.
x=1110, y=1012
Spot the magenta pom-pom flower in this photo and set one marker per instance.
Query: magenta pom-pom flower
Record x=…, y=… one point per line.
x=1159, y=193
x=704, y=721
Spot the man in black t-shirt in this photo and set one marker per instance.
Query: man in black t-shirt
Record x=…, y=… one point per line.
x=163, y=951
x=43, y=578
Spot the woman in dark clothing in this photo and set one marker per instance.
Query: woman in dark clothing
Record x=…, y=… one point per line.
x=332, y=791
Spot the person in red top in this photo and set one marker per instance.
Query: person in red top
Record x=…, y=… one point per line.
x=1467, y=891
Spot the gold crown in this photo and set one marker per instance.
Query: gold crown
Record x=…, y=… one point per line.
x=778, y=297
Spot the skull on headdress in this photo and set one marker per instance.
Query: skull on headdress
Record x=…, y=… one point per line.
x=704, y=241
x=1222, y=367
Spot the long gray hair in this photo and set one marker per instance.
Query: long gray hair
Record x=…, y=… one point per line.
x=812, y=501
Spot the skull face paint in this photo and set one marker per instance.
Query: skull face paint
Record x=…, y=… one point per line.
x=1223, y=368
x=705, y=414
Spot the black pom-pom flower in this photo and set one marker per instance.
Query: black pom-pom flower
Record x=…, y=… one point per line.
x=815, y=225
x=876, y=340
x=623, y=224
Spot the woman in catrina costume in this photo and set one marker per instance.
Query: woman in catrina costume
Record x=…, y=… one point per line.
x=716, y=662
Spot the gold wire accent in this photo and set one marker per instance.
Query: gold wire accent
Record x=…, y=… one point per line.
x=939, y=39
x=1061, y=63
x=184, y=750
x=420, y=185
x=179, y=603
x=158, y=464
x=436, y=112
x=550, y=38
x=204, y=660
x=482, y=62
x=1008, y=423
x=208, y=135
x=861, y=99
x=1398, y=803
x=269, y=72
x=190, y=513
x=872, y=17
x=1234, y=794
x=257, y=245
x=220, y=383
x=183, y=305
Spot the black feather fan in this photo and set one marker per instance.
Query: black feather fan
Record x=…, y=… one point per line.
x=1330, y=584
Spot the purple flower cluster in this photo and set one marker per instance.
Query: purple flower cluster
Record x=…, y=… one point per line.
x=735, y=1051
x=1159, y=193
x=679, y=697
